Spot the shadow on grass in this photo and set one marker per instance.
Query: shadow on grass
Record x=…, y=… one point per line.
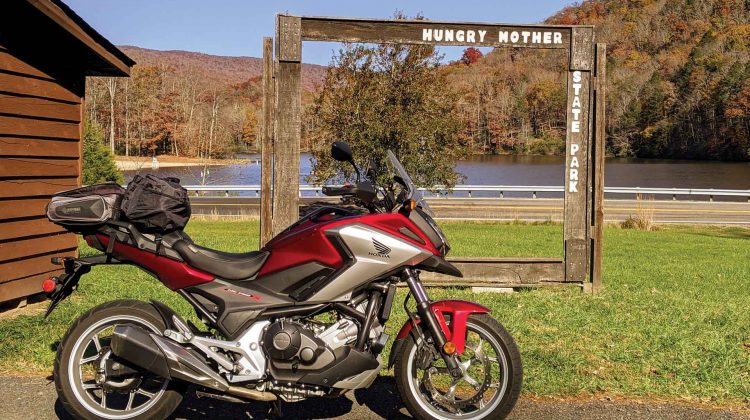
x=727, y=233
x=380, y=399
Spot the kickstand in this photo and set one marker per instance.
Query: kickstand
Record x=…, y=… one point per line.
x=274, y=409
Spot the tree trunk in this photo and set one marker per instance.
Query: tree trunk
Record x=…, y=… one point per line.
x=127, y=117
x=112, y=87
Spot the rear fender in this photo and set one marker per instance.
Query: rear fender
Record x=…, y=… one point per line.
x=458, y=310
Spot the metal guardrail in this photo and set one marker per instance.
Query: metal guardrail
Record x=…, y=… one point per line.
x=502, y=189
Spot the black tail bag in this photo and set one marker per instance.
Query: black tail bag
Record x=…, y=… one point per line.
x=86, y=208
x=156, y=204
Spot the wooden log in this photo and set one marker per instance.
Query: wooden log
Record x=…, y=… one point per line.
x=600, y=134
x=288, y=119
x=37, y=246
x=500, y=271
x=14, y=167
x=25, y=228
x=11, y=63
x=432, y=32
x=266, y=144
x=24, y=287
x=582, y=49
x=576, y=225
x=42, y=88
x=38, y=107
x=16, y=146
x=31, y=266
x=15, y=126
x=18, y=188
x=17, y=208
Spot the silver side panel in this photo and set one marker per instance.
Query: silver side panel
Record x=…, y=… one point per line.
x=375, y=253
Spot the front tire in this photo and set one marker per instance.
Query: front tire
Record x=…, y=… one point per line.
x=82, y=385
x=492, y=375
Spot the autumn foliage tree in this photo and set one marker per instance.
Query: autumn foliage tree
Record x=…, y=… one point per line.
x=471, y=55
x=160, y=110
x=387, y=97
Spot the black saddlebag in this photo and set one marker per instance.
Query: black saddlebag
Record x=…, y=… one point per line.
x=85, y=208
x=157, y=205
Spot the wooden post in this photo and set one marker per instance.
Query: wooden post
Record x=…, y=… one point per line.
x=288, y=118
x=577, y=220
x=600, y=132
x=266, y=143
x=584, y=158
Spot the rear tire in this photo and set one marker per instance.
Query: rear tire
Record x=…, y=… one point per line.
x=87, y=399
x=509, y=382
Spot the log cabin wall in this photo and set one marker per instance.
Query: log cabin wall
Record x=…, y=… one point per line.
x=46, y=52
x=40, y=132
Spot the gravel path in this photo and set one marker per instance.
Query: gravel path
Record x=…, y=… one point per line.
x=27, y=398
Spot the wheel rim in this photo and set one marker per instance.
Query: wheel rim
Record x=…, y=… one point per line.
x=109, y=397
x=477, y=393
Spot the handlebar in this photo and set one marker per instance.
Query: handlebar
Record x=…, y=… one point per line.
x=336, y=191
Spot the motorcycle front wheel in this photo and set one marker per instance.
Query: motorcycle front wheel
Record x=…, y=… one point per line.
x=84, y=356
x=488, y=389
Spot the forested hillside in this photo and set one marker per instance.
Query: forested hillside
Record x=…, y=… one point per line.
x=678, y=83
x=182, y=103
x=678, y=87
x=679, y=75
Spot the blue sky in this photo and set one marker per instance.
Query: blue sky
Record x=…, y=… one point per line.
x=236, y=27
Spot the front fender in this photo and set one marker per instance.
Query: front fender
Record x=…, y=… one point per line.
x=459, y=311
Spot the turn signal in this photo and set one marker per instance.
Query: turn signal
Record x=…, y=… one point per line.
x=49, y=285
x=410, y=204
x=449, y=347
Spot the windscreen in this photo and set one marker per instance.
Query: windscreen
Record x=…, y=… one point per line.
x=412, y=191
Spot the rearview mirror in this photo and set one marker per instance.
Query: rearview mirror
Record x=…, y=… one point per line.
x=341, y=152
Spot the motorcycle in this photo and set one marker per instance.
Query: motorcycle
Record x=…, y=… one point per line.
x=302, y=317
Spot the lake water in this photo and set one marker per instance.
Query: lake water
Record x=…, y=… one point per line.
x=523, y=170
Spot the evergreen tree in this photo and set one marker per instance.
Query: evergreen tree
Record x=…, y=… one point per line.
x=98, y=161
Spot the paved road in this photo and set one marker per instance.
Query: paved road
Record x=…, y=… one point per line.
x=34, y=398
x=540, y=209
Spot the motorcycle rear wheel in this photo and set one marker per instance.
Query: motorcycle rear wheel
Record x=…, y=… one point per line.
x=82, y=355
x=491, y=384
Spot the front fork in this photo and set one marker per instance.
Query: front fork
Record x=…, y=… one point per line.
x=430, y=321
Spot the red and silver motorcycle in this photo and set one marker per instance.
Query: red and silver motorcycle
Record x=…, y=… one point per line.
x=302, y=317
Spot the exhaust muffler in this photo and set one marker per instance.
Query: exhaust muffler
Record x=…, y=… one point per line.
x=169, y=360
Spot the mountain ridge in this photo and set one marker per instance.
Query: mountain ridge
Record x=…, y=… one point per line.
x=229, y=70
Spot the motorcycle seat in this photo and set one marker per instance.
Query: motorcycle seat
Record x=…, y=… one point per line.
x=230, y=266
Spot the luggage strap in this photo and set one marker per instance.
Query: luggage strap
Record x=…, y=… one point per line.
x=157, y=239
x=113, y=233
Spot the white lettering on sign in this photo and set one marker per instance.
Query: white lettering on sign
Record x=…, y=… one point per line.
x=575, y=108
x=575, y=127
x=573, y=171
x=472, y=36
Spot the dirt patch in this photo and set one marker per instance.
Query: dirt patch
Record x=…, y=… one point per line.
x=34, y=305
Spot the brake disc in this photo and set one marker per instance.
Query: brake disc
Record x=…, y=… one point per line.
x=451, y=403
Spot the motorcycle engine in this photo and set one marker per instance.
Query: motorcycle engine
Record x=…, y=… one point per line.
x=289, y=341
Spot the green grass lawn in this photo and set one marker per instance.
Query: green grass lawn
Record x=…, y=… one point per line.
x=672, y=320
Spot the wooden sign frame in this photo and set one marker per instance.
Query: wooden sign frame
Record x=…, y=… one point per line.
x=584, y=156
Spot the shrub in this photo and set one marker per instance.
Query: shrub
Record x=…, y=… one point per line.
x=644, y=215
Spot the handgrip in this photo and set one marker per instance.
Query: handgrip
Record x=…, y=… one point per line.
x=334, y=191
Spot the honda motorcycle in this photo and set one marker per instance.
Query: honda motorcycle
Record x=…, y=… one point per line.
x=302, y=317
